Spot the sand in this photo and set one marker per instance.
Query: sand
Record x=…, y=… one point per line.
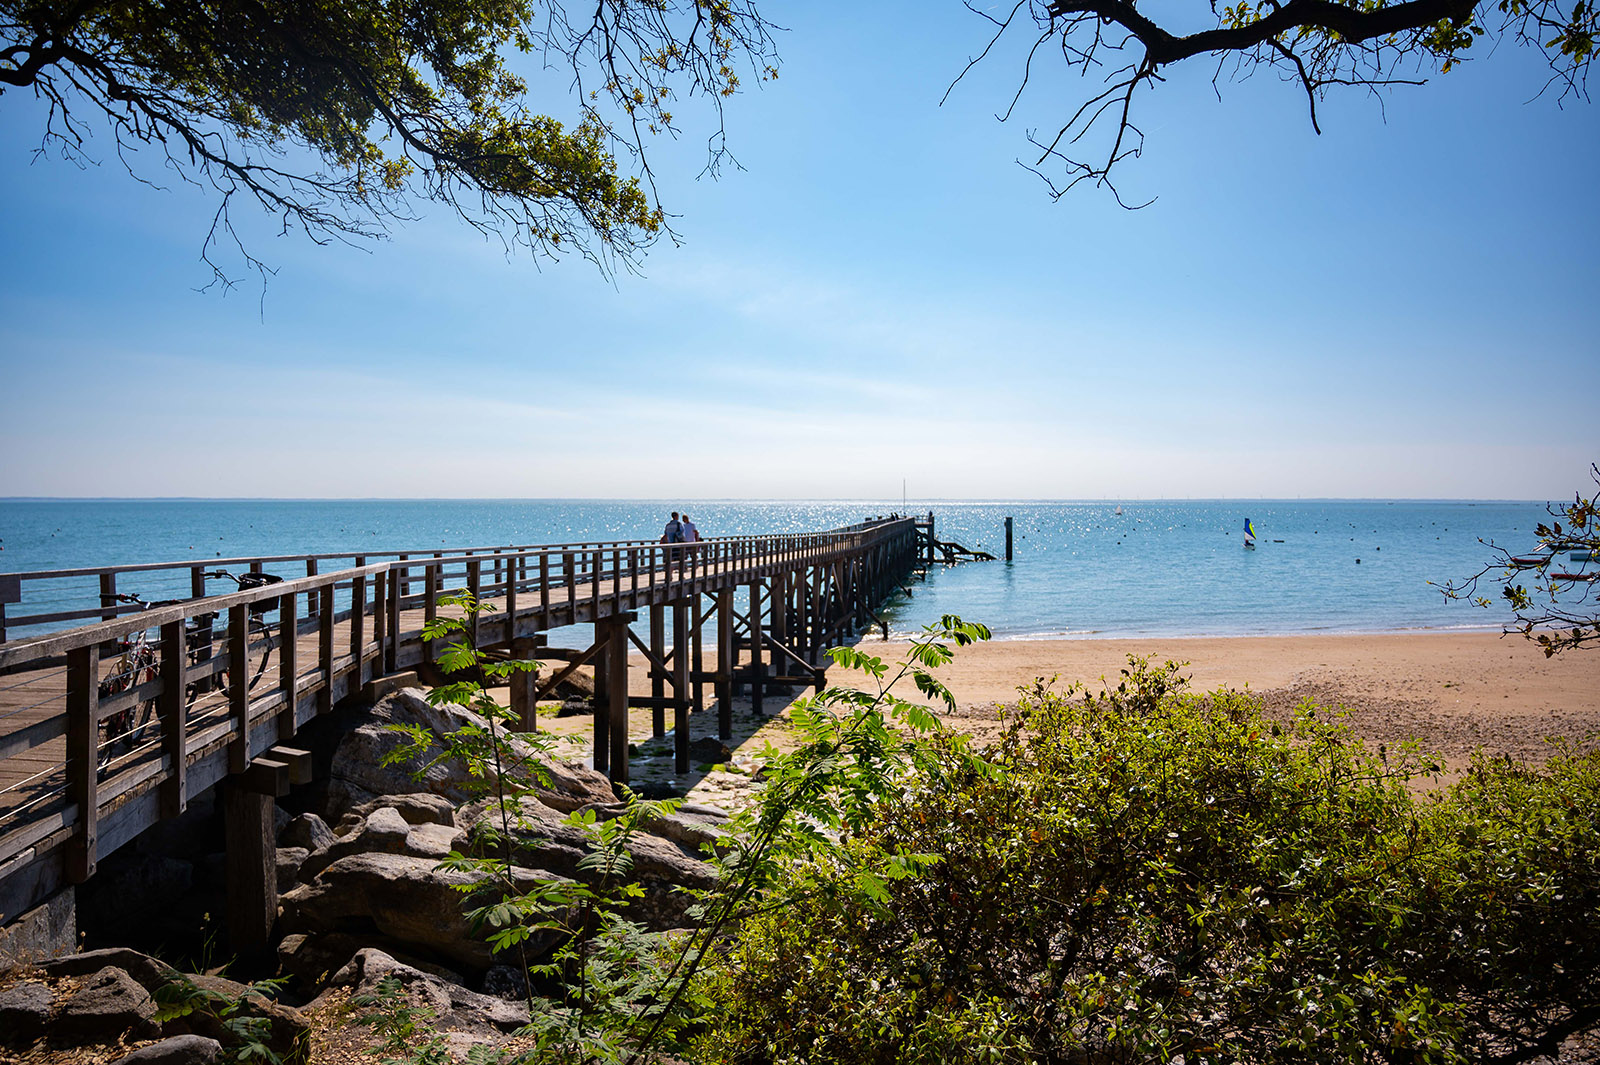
x=1456, y=692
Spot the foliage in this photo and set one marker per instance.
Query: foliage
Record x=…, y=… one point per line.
x=402, y=1027
x=334, y=116
x=1555, y=598
x=602, y=967
x=247, y=1036
x=1315, y=44
x=1148, y=874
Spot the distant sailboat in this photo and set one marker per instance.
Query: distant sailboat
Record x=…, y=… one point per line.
x=1249, y=534
x=1119, y=509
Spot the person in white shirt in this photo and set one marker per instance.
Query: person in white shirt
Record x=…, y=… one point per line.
x=691, y=535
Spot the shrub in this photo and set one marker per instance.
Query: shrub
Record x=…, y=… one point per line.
x=1150, y=874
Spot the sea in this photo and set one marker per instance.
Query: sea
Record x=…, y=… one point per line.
x=1079, y=570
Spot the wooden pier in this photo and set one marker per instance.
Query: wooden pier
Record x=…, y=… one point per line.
x=777, y=602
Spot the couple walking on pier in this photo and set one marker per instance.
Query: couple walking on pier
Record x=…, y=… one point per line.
x=679, y=530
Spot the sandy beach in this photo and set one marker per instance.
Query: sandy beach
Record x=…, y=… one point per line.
x=1453, y=691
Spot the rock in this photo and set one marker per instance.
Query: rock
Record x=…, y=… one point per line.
x=150, y=972
x=178, y=1050
x=312, y=960
x=308, y=831
x=110, y=1004
x=405, y=897
x=358, y=775
x=693, y=825
x=383, y=832
x=660, y=865
x=435, y=841
x=709, y=749
x=455, y=1008
x=288, y=1033
x=418, y=808
x=24, y=1011
x=289, y=860
x=280, y=820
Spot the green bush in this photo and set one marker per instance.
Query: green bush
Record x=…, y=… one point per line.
x=1146, y=873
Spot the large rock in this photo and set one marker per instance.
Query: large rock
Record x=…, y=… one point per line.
x=404, y=897
x=385, y=831
x=309, y=832
x=24, y=1012
x=358, y=774
x=417, y=807
x=455, y=1008
x=660, y=865
x=150, y=972
x=110, y=1004
x=288, y=1030
x=178, y=1050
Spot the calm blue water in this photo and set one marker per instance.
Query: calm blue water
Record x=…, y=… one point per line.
x=1080, y=569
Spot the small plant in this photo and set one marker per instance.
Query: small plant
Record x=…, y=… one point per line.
x=246, y=1036
x=399, y=1024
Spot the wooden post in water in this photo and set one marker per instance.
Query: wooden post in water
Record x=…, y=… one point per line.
x=1008, y=538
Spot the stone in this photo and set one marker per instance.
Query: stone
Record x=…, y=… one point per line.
x=357, y=774
x=660, y=864
x=308, y=831
x=709, y=749
x=177, y=1050
x=289, y=1030
x=435, y=841
x=110, y=1004
x=24, y=1012
x=383, y=832
x=456, y=1009
x=418, y=808
x=150, y=972
x=404, y=897
x=290, y=859
x=502, y=981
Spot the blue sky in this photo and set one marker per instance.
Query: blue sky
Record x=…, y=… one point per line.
x=1402, y=307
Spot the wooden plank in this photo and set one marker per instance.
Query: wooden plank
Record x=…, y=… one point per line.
x=298, y=761
x=288, y=660
x=173, y=704
x=83, y=781
x=725, y=664
x=680, y=685
x=325, y=648
x=658, y=651
x=252, y=871
x=239, y=688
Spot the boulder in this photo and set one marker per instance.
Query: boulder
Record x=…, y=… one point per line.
x=404, y=897
x=358, y=775
x=417, y=807
x=110, y=1004
x=383, y=832
x=660, y=864
x=289, y=1030
x=307, y=831
x=178, y=1050
x=24, y=1012
x=289, y=861
x=435, y=841
x=455, y=1008
x=150, y=972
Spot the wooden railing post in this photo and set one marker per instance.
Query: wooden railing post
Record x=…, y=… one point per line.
x=239, y=687
x=325, y=647
x=380, y=618
x=358, y=623
x=83, y=733
x=173, y=704
x=288, y=663
x=511, y=602
x=475, y=586
x=391, y=657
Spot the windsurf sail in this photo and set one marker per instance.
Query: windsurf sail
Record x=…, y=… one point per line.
x=1249, y=530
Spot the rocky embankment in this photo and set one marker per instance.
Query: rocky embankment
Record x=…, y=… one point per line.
x=362, y=899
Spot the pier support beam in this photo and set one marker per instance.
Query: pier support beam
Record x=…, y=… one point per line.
x=727, y=659
x=756, y=687
x=680, y=685
x=611, y=696
x=252, y=868
x=658, y=680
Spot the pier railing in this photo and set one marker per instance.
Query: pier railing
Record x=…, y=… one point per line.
x=70, y=788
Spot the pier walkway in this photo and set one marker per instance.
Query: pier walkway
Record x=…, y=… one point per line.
x=70, y=794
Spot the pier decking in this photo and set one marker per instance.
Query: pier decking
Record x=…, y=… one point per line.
x=69, y=795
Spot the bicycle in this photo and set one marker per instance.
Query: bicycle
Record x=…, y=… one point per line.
x=138, y=663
